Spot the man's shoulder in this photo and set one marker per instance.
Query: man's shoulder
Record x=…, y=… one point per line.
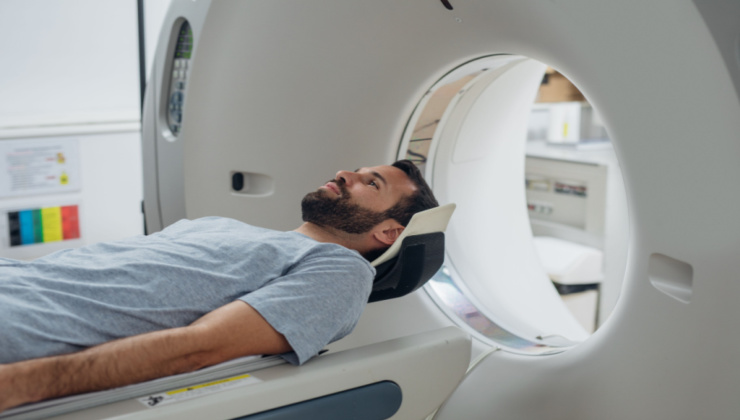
x=213, y=223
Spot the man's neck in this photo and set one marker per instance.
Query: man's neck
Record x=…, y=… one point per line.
x=330, y=235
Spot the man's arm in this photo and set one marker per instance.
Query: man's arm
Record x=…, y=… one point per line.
x=231, y=331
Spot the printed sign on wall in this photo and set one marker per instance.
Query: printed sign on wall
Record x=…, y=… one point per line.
x=39, y=166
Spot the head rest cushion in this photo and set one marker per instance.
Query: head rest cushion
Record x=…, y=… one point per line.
x=427, y=221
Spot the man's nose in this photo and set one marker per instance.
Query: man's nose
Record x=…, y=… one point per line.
x=346, y=177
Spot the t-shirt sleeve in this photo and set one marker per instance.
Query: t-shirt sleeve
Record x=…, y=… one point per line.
x=317, y=302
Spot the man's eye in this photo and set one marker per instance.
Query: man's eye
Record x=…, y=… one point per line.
x=375, y=185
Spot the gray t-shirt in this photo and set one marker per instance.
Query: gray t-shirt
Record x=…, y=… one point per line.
x=311, y=292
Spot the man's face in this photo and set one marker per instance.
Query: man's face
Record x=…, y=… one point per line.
x=355, y=202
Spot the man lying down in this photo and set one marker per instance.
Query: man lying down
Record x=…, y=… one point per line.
x=200, y=292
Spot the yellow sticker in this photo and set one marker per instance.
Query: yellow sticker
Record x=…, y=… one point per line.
x=52, y=225
x=199, y=390
x=194, y=387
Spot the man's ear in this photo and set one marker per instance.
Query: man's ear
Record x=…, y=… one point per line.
x=388, y=231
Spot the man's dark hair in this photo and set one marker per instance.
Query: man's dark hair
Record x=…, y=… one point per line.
x=422, y=199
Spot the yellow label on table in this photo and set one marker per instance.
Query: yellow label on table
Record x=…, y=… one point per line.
x=194, y=387
x=199, y=390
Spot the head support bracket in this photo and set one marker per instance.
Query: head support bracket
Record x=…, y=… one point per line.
x=415, y=257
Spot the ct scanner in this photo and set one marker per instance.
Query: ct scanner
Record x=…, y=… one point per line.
x=253, y=103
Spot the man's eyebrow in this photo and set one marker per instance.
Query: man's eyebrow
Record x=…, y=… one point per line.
x=380, y=177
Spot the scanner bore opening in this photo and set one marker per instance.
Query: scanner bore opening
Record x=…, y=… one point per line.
x=476, y=134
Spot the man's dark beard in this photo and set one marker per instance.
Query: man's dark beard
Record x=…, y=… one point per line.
x=320, y=209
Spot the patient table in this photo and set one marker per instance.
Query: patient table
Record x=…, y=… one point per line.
x=406, y=378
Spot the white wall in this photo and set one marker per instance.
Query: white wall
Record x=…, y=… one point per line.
x=68, y=62
x=70, y=71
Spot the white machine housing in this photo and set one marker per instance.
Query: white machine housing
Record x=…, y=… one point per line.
x=286, y=93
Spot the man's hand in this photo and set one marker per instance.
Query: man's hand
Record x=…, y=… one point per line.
x=231, y=331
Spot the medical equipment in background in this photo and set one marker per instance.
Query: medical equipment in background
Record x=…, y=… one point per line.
x=578, y=212
x=576, y=200
x=274, y=96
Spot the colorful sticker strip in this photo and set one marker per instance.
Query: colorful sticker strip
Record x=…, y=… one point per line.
x=49, y=224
